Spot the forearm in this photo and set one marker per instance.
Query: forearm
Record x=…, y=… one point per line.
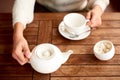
x=98, y=9
x=18, y=31
x=102, y=3
x=21, y=50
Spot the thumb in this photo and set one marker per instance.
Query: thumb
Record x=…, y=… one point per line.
x=27, y=52
x=88, y=16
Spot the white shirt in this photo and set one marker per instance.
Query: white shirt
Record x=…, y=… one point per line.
x=23, y=9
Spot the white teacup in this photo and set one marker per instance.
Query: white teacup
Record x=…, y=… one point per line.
x=75, y=23
x=104, y=50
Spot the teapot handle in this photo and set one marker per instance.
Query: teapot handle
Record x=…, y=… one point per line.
x=29, y=58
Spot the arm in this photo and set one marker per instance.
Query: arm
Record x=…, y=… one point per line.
x=22, y=15
x=23, y=11
x=102, y=3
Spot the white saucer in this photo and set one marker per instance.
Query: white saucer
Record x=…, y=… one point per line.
x=67, y=35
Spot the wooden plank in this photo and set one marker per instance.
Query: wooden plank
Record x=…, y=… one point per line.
x=31, y=31
x=111, y=16
x=6, y=39
x=86, y=59
x=88, y=70
x=7, y=60
x=6, y=16
x=46, y=27
x=83, y=48
x=106, y=32
x=75, y=59
x=88, y=41
x=30, y=39
x=7, y=49
x=32, y=46
x=33, y=24
x=15, y=78
x=105, y=23
x=82, y=64
x=6, y=23
x=99, y=32
x=56, y=23
x=110, y=24
x=85, y=78
x=49, y=16
x=39, y=76
x=95, y=36
x=45, y=32
x=15, y=70
x=78, y=49
x=56, y=16
x=44, y=36
x=6, y=31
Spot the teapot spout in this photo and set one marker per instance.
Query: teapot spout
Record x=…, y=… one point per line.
x=66, y=55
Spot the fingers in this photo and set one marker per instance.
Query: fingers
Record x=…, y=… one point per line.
x=21, y=53
x=95, y=19
x=88, y=16
x=27, y=51
x=19, y=56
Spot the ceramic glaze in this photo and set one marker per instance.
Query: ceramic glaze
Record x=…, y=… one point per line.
x=75, y=23
x=67, y=35
x=47, y=58
x=104, y=50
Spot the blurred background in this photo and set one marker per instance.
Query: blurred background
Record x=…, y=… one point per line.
x=6, y=6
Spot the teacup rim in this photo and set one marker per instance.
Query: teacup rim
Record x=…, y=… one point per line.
x=64, y=21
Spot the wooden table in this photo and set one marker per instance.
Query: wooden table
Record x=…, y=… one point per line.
x=82, y=65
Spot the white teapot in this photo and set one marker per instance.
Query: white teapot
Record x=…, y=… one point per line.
x=47, y=58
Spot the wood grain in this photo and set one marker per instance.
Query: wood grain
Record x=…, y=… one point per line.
x=82, y=48
x=95, y=36
x=56, y=16
x=85, y=78
x=16, y=78
x=15, y=70
x=90, y=59
x=88, y=70
x=82, y=64
x=39, y=76
x=45, y=32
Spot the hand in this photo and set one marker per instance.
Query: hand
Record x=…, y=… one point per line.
x=94, y=16
x=21, y=50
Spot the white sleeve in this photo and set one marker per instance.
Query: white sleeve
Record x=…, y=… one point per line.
x=23, y=11
x=102, y=3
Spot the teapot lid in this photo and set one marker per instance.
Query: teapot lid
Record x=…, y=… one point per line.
x=44, y=51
